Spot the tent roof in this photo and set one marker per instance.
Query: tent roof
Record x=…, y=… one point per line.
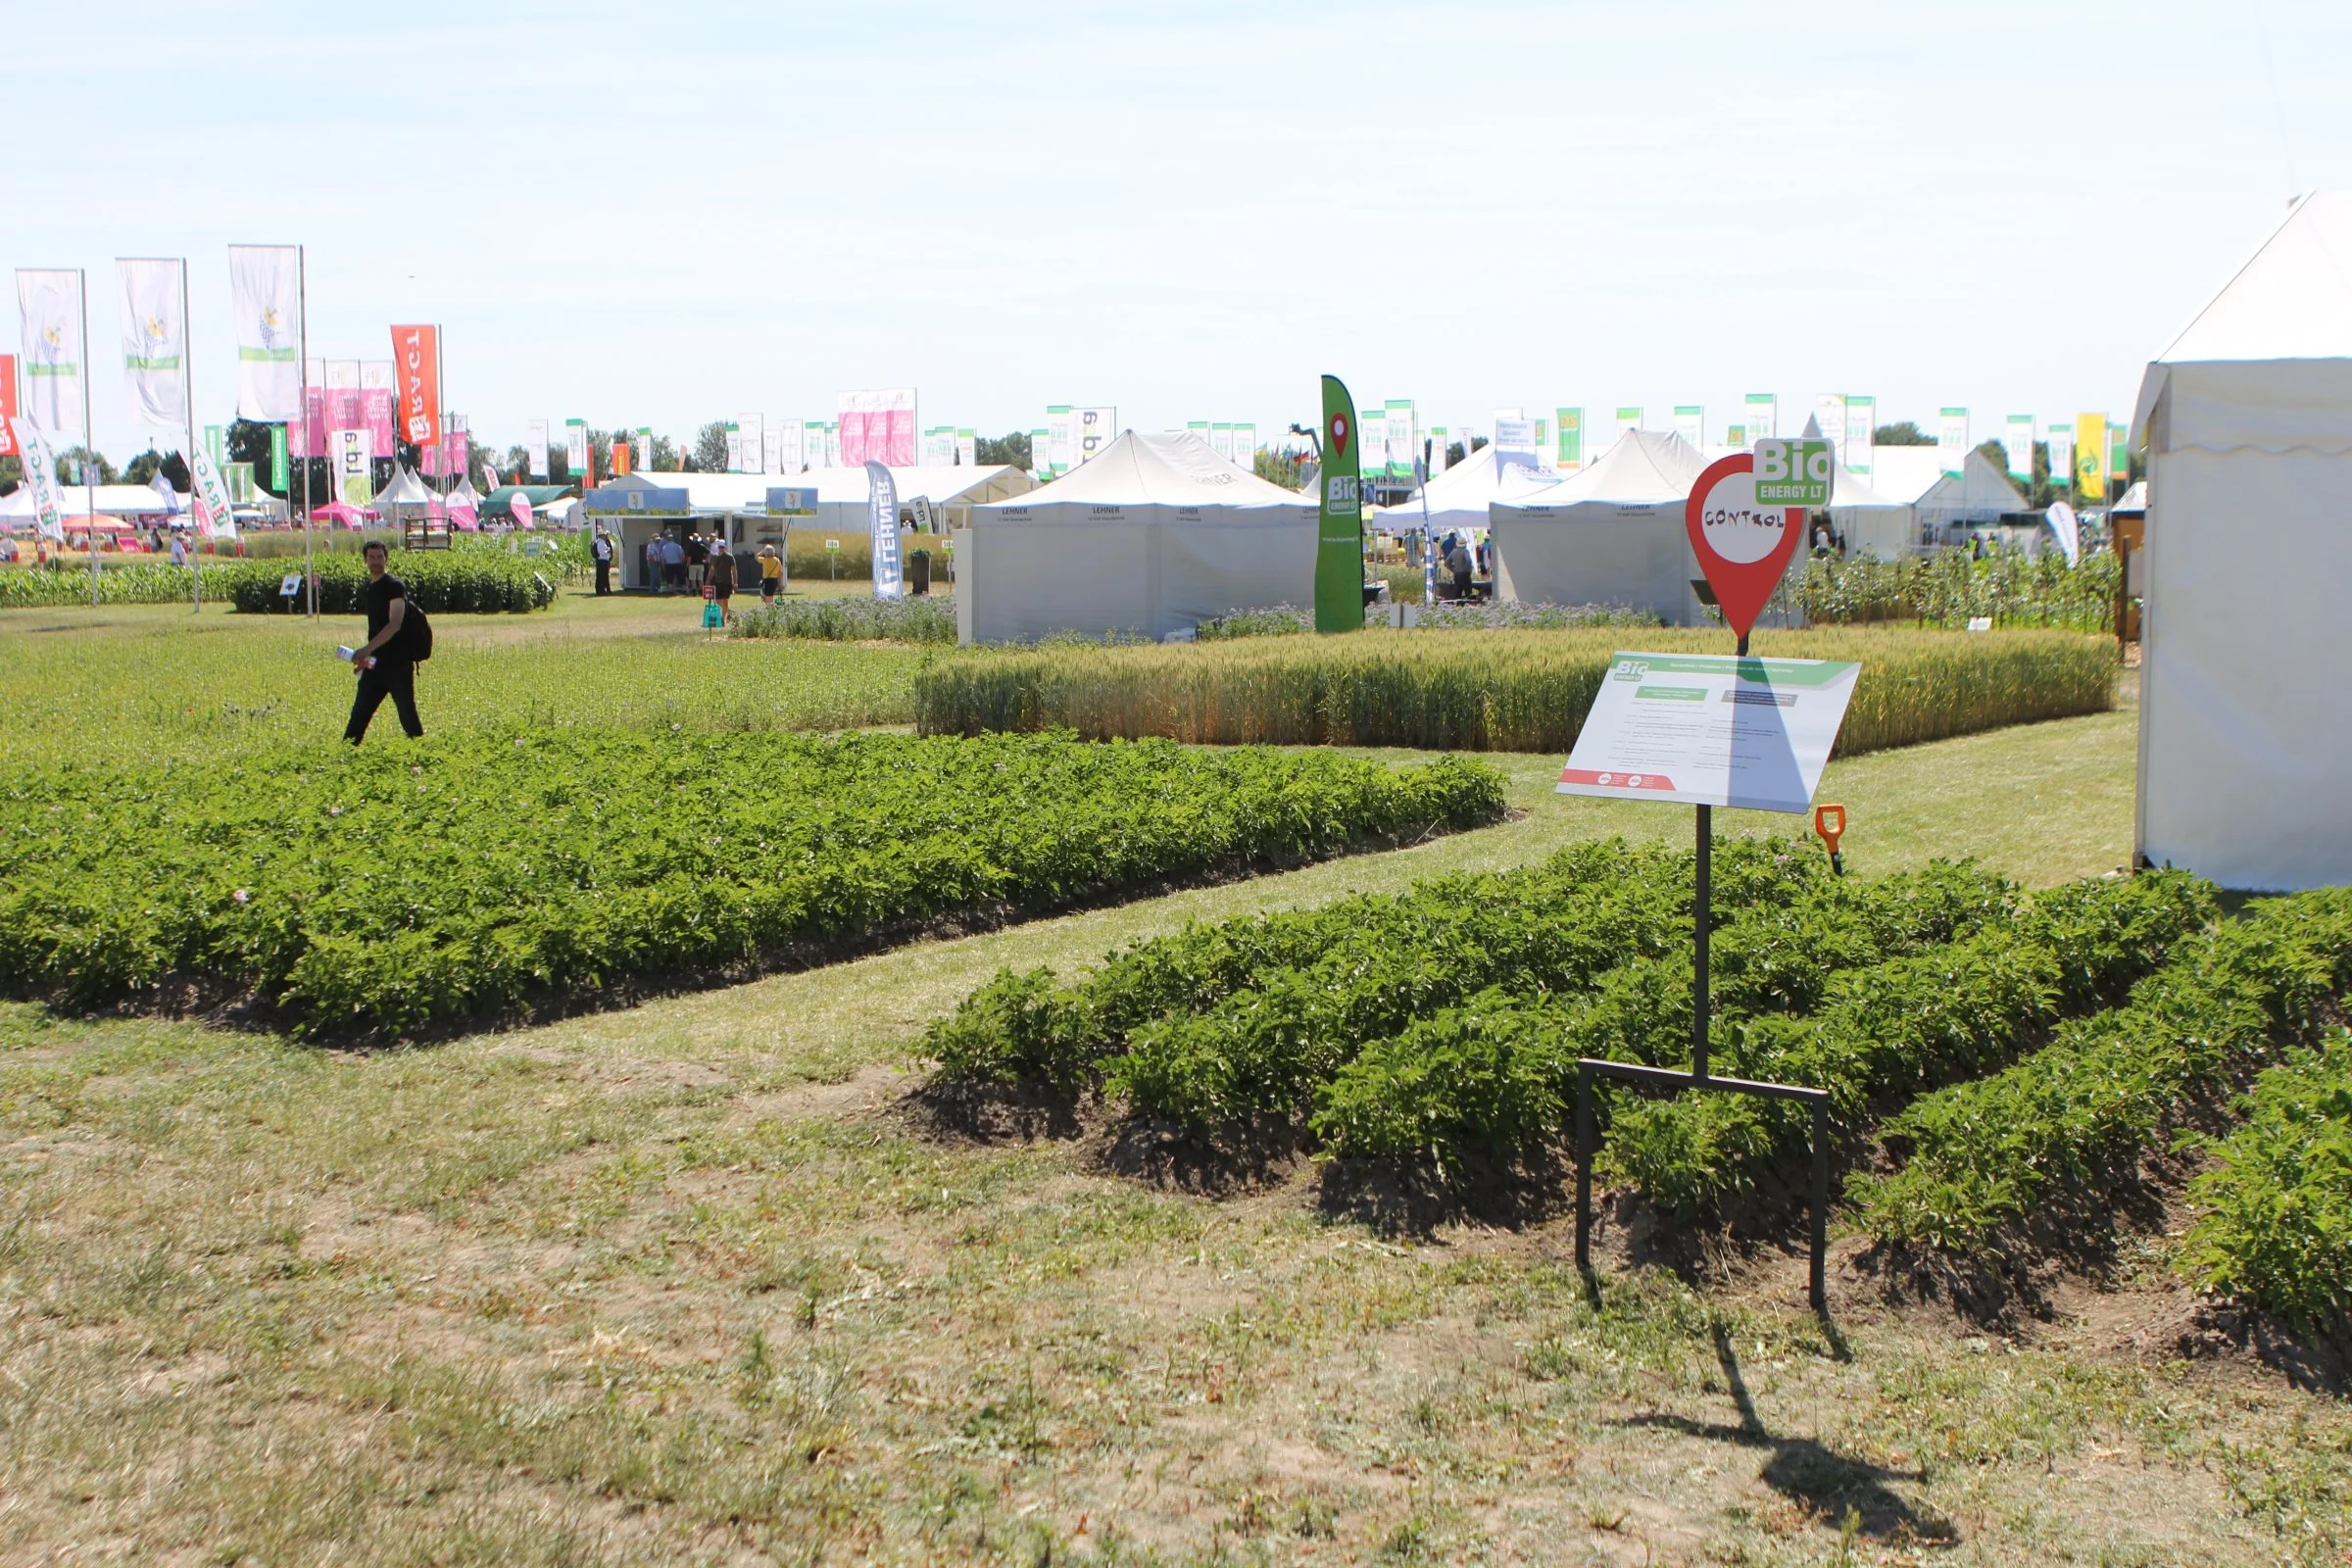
x=1640, y=465
x=1852, y=490
x=502, y=499
x=2292, y=299
x=2272, y=349
x=730, y=492
x=404, y=490
x=1485, y=475
x=1173, y=470
x=114, y=500
x=1900, y=474
x=2132, y=502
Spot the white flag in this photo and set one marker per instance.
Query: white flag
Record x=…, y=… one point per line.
x=51, y=303
x=41, y=477
x=883, y=521
x=155, y=341
x=214, y=519
x=536, y=440
x=266, y=281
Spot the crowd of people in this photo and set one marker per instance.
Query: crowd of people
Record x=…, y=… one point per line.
x=697, y=564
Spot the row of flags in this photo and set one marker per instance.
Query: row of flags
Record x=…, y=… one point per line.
x=45, y=388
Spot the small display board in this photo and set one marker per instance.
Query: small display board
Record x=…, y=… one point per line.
x=1710, y=729
x=792, y=501
x=289, y=585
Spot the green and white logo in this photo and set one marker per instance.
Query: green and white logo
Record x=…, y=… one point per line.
x=1792, y=473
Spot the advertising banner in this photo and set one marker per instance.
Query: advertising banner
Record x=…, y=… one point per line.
x=2091, y=456
x=1340, y=531
x=355, y=484
x=575, y=447
x=41, y=477
x=54, y=363
x=1568, y=430
x=939, y=447
x=882, y=522
x=281, y=478
x=155, y=340
x=645, y=447
x=1041, y=443
x=1861, y=432
x=1763, y=416
x=417, y=377
x=1372, y=445
x=8, y=405
x=898, y=438
x=377, y=415
x=214, y=519
x=1690, y=423
x=1093, y=429
x=2119, y=453
x=1951, y=439
x=1245, y=445
x=1401, y=439
x=307, y=437
x=1056, y=457
x=772, y=450
x=1629, y=419
x=967, y=447
x=1515, y=435
x=265, y=294
x=1220, y=439
x=535, y=443
x=1829, y=412
x=1441, y=442
x=751, y=439
x=2017, y=439
x=2060, y=438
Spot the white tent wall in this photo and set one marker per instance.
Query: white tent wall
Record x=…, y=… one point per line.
x=1638, y=556
x=1154, y=535
x=1870, y=523
x=2246, y=721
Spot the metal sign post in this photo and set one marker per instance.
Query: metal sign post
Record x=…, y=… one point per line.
x=1651, y=736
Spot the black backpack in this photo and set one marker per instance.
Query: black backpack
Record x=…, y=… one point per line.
x=418, y=632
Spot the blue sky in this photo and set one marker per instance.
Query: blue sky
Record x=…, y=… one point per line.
x=666, y=215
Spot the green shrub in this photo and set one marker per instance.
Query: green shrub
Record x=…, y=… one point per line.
x=1947, y=588
x=2276, y=1227
x=921, y=618
x=134, y=582
x=1981, y=1157
x=397, y=888
x=438, y=581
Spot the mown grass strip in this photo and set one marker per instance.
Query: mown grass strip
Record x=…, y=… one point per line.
x=1981, y=1159
x=1514, y=691
x=395, y=889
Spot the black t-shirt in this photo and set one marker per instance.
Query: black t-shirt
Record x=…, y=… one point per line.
x=377, y=597
x=697, y=552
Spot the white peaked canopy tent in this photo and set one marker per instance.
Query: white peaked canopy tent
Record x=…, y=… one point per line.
x=1871, y=523
x=1154, y=534
x=1459, y=497
x=406, y=496
x=1979, y=496
x=1612, y=533
x=2245, y=717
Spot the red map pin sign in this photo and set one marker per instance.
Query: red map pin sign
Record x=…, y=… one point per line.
x=1741, y=547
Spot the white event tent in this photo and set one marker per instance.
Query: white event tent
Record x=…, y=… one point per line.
x=1871, y=523
x=1979, y=496
x=1611, y=533
x=1458, y=498
x=1154, y=534
x=2246, y=719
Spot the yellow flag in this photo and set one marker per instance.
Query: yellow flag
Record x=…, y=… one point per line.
x=2091, y=456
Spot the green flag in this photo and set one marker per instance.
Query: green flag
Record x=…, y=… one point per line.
x=1340, y=535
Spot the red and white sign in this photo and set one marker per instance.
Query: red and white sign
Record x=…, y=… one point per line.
x=417, y=378
x=1743, y=548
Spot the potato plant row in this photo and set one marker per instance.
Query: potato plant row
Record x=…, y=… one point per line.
x=1981, y=1161
x=1872, y=991
x=409, y=886
x=2276, y=1227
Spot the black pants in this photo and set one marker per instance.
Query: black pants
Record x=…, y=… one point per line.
x=395, y=678
x=604, y=576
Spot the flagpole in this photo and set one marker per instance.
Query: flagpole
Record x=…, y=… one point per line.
x=188, y=408
x=90, y=451
x=302, y=355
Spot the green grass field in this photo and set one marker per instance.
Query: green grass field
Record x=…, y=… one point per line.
x=693, y=1283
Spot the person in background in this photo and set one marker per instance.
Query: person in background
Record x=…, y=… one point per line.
x=179, y=547
x=673, y=562
x=771, y=574
x=600, y=550
x=719, y=576
x=698, y=556
x=1458, y=562
x=383, y=661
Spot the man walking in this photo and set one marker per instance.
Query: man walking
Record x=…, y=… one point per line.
x=601, y=549
x=386, y=662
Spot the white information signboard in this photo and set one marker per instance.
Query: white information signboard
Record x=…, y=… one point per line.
x=1710, y=729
